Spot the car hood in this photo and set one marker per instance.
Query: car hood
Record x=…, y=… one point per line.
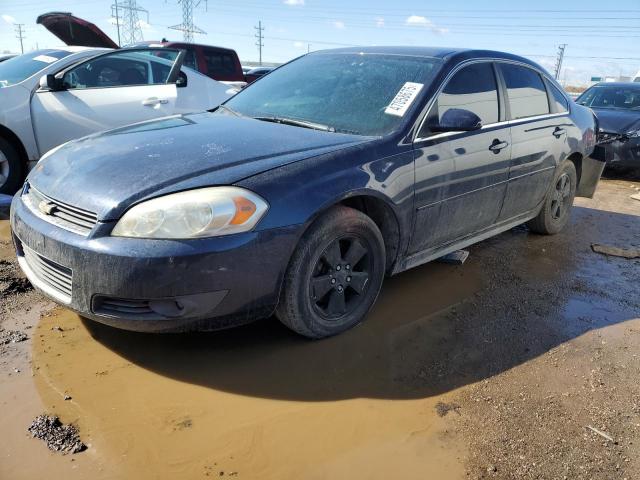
x=75, y=31
x=108, y=172
x=617, y=120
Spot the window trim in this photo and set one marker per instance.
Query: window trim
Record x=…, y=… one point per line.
x=502, y=96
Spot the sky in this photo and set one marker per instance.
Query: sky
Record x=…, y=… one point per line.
x=600, y=41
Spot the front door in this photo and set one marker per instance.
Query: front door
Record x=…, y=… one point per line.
x=461, y=176
x=108, y=91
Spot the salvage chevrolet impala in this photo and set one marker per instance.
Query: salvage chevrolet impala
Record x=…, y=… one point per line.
x=298, y=195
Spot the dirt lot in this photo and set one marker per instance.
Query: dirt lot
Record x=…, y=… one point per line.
x=518, y=364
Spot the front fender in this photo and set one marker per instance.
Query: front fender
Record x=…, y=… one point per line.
x=299, y=192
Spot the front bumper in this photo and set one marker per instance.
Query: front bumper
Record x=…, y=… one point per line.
x=154, y=285
x=624, y=153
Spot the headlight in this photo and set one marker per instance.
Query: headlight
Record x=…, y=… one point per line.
x=206, y=212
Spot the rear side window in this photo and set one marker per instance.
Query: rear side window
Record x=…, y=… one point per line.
x=219, y=64
x=525, y=91
x=560, y=101
x=472, y=88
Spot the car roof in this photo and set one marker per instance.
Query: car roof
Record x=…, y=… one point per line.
x=169, y=43
x=444, y=53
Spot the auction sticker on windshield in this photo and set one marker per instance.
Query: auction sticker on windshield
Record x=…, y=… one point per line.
x=403, y=99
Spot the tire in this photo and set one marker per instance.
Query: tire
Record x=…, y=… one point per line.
x=11, y=168
x=556, y=208
x=318, y=275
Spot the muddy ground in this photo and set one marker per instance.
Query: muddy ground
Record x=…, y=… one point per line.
x=521, y=363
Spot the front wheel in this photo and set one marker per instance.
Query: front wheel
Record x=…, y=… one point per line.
x=11, y=168
x=335, y=274
x=556, y=208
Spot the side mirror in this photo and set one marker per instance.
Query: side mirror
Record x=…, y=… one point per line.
x=457, y=120
x=49, y=82
x=181, y=81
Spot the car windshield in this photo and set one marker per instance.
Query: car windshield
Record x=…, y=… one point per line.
x=605, y=96
x=342, y=92
x=19, y=68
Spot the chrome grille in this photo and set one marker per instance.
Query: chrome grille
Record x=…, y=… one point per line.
x=51, y=274
x=59, y=213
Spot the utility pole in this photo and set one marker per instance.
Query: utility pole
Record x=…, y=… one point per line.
x=20, y=35
x=187, y=27
x=259, y=37
x=559, y=59
x=131, y=29
x=117, y=21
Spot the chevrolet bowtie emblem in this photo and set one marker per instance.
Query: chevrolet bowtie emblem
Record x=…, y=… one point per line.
x=46, y=207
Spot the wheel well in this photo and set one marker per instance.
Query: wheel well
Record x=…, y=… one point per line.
x=384, y=218
x=576, y=158
x=13, y=139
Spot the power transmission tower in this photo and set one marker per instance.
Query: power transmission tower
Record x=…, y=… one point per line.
x=259, y=37
x=559, y=59
x=126, y=13
x=187, y=27
x=20, y=35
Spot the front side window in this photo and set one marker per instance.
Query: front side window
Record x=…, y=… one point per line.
x=18, y=69
x=120, y=69
x=526, y=92
x=348, y=92
x=472, y=88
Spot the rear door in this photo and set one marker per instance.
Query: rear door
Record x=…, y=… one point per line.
x=539, y=137
x=107, y=91
x=461, y=176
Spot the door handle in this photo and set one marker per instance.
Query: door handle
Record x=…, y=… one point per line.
x=153, y=101
x=498, y=145
x=558, y=132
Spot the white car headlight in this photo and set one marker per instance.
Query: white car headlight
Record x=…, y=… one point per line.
x=205, y=212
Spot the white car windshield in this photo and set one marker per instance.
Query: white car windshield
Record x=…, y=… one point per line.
x=19, y=68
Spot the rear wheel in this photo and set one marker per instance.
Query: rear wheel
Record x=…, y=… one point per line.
x=334, y=276
x=11, y=168
x=555, y=211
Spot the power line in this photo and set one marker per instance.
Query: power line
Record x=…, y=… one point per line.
x=20, y=34
x=259, y=37
x=187, y=27
x=129, y=27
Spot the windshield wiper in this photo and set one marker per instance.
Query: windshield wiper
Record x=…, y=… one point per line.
x=297, y=123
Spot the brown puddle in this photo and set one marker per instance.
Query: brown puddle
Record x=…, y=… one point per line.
x=259, y=401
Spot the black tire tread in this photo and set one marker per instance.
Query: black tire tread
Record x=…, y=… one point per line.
x=288, y=310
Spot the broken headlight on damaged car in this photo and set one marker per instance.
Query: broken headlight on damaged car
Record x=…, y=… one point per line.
x=205, y=212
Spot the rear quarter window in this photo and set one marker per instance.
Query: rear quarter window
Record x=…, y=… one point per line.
x=219, y=64
x=559, y=100
x=527, y=95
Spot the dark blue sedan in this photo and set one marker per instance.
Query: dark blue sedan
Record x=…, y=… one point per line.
x=299, y=194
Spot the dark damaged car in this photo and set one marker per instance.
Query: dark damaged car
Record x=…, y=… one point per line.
x=617, y=106
x=299, y=194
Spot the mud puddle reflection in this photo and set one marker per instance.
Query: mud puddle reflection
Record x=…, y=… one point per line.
x=260, y=402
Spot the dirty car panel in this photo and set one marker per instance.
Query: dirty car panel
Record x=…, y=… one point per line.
x=426, y=185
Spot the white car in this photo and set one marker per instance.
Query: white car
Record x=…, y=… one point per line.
x=49, y=97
